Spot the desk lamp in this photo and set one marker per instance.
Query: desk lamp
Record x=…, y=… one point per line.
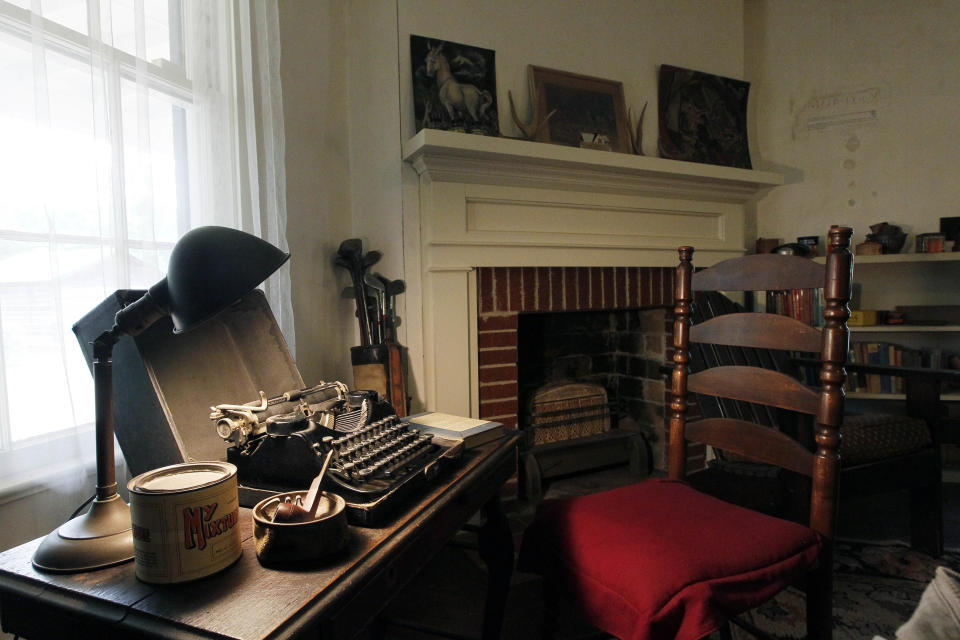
x=210, y=268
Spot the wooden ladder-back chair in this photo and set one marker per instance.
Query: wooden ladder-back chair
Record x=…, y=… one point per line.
x=879, y=453
x=659, y=559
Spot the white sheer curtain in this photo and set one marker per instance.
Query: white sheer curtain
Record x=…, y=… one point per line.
x=123, y=124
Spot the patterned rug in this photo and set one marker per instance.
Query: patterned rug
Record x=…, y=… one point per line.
x=876, y=589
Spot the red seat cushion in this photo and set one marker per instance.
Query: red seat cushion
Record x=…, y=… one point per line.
x=658, y=559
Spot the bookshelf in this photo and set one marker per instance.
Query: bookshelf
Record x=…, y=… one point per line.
x=863, y=395
x=884, y=282
x=906, y=328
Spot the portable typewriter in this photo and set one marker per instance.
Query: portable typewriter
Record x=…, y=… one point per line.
x=379, y=462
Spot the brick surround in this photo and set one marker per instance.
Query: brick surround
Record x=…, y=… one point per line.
x=506, y=292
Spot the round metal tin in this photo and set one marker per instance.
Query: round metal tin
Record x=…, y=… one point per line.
x=185, y=521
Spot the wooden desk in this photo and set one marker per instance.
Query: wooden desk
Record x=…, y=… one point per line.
x=335, y=598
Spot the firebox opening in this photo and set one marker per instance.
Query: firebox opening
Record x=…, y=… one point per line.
x=619, y=350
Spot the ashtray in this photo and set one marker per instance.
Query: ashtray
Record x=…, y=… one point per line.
x=285, y=543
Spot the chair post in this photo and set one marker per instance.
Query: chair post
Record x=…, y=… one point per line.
x=834, y=348
x=683, y=306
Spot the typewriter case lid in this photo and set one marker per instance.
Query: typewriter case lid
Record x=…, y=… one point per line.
x=164, y=384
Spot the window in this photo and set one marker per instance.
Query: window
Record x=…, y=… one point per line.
x=121, y=131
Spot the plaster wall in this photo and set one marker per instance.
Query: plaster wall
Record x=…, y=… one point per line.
x=854, y=102
x=617, y=39
x=315, y=110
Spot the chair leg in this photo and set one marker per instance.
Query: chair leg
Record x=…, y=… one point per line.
x=926, y=519
x=548, y=623
x=820, y=599
x=725, y=632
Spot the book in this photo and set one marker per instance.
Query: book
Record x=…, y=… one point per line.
x=444, y=425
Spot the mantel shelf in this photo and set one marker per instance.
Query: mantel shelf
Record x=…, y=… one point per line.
x=447, y=156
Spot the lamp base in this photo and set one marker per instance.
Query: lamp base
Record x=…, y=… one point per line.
x=102, y=537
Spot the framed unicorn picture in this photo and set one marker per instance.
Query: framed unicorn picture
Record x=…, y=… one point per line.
x=454, y=86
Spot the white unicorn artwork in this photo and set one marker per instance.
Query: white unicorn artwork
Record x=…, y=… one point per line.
x=457, y=98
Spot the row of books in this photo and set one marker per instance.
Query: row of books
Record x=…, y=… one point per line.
x=887, y=354
x=805, y=305
x=882, y=353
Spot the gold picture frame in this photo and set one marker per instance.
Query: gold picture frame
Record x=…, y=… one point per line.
x=586, y=111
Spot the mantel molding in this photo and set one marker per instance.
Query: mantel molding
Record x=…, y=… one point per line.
x=480, y=201
x=446, y=156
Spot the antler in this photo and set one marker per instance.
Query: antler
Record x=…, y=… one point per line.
x=529, y=131
x=636, y=135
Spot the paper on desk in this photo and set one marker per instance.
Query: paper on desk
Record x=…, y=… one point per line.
x=447, y=421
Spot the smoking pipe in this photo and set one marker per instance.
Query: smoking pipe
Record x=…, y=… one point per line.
x=290, y=512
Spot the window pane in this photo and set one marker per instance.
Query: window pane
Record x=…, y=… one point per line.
x=16, y=78
x=156, y=22
x=70, y=13
x=150, y=164
x=17, y=114
x=51, y=168
x=48, y=385
x=121, y=29
x=43, y=362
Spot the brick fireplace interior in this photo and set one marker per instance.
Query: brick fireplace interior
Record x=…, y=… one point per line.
x=605, y=325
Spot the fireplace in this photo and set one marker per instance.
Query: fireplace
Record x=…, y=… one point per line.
x=495, y=228
x=605, y=325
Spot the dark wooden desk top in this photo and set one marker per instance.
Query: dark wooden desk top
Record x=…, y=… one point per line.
x=334, y=598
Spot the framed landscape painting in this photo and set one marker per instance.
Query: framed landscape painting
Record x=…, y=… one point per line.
x=586, y=111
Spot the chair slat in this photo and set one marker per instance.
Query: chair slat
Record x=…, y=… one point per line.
x=759, y=330
x=753, y=441
x=708, y=305
x=760, y=272
x=751, y=384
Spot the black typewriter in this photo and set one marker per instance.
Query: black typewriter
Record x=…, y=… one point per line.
x=379, y=465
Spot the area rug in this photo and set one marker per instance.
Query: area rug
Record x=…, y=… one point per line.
x=876, y=588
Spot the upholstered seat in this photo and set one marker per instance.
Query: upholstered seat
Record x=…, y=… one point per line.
x=870, y=437
x=703, y=559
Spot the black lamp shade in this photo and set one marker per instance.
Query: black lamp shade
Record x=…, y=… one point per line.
x=210, y=268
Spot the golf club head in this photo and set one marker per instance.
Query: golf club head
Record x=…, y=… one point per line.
x=371, y=258
x=374, y=282
x=351, y=247
x=396, y=287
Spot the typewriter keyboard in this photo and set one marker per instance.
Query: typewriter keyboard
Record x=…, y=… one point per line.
x=367, y=460
x=382, y=465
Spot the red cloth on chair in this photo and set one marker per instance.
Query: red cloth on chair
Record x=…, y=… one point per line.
x=660, y=560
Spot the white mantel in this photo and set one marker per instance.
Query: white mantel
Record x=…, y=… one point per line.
x=482, y=201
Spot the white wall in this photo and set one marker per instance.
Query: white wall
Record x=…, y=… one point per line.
x=842, y=60
x=620, y=40
x=315, y=110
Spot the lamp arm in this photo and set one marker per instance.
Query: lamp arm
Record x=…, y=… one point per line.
x=131, y=320
x=103, y=407
x=136, y=317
